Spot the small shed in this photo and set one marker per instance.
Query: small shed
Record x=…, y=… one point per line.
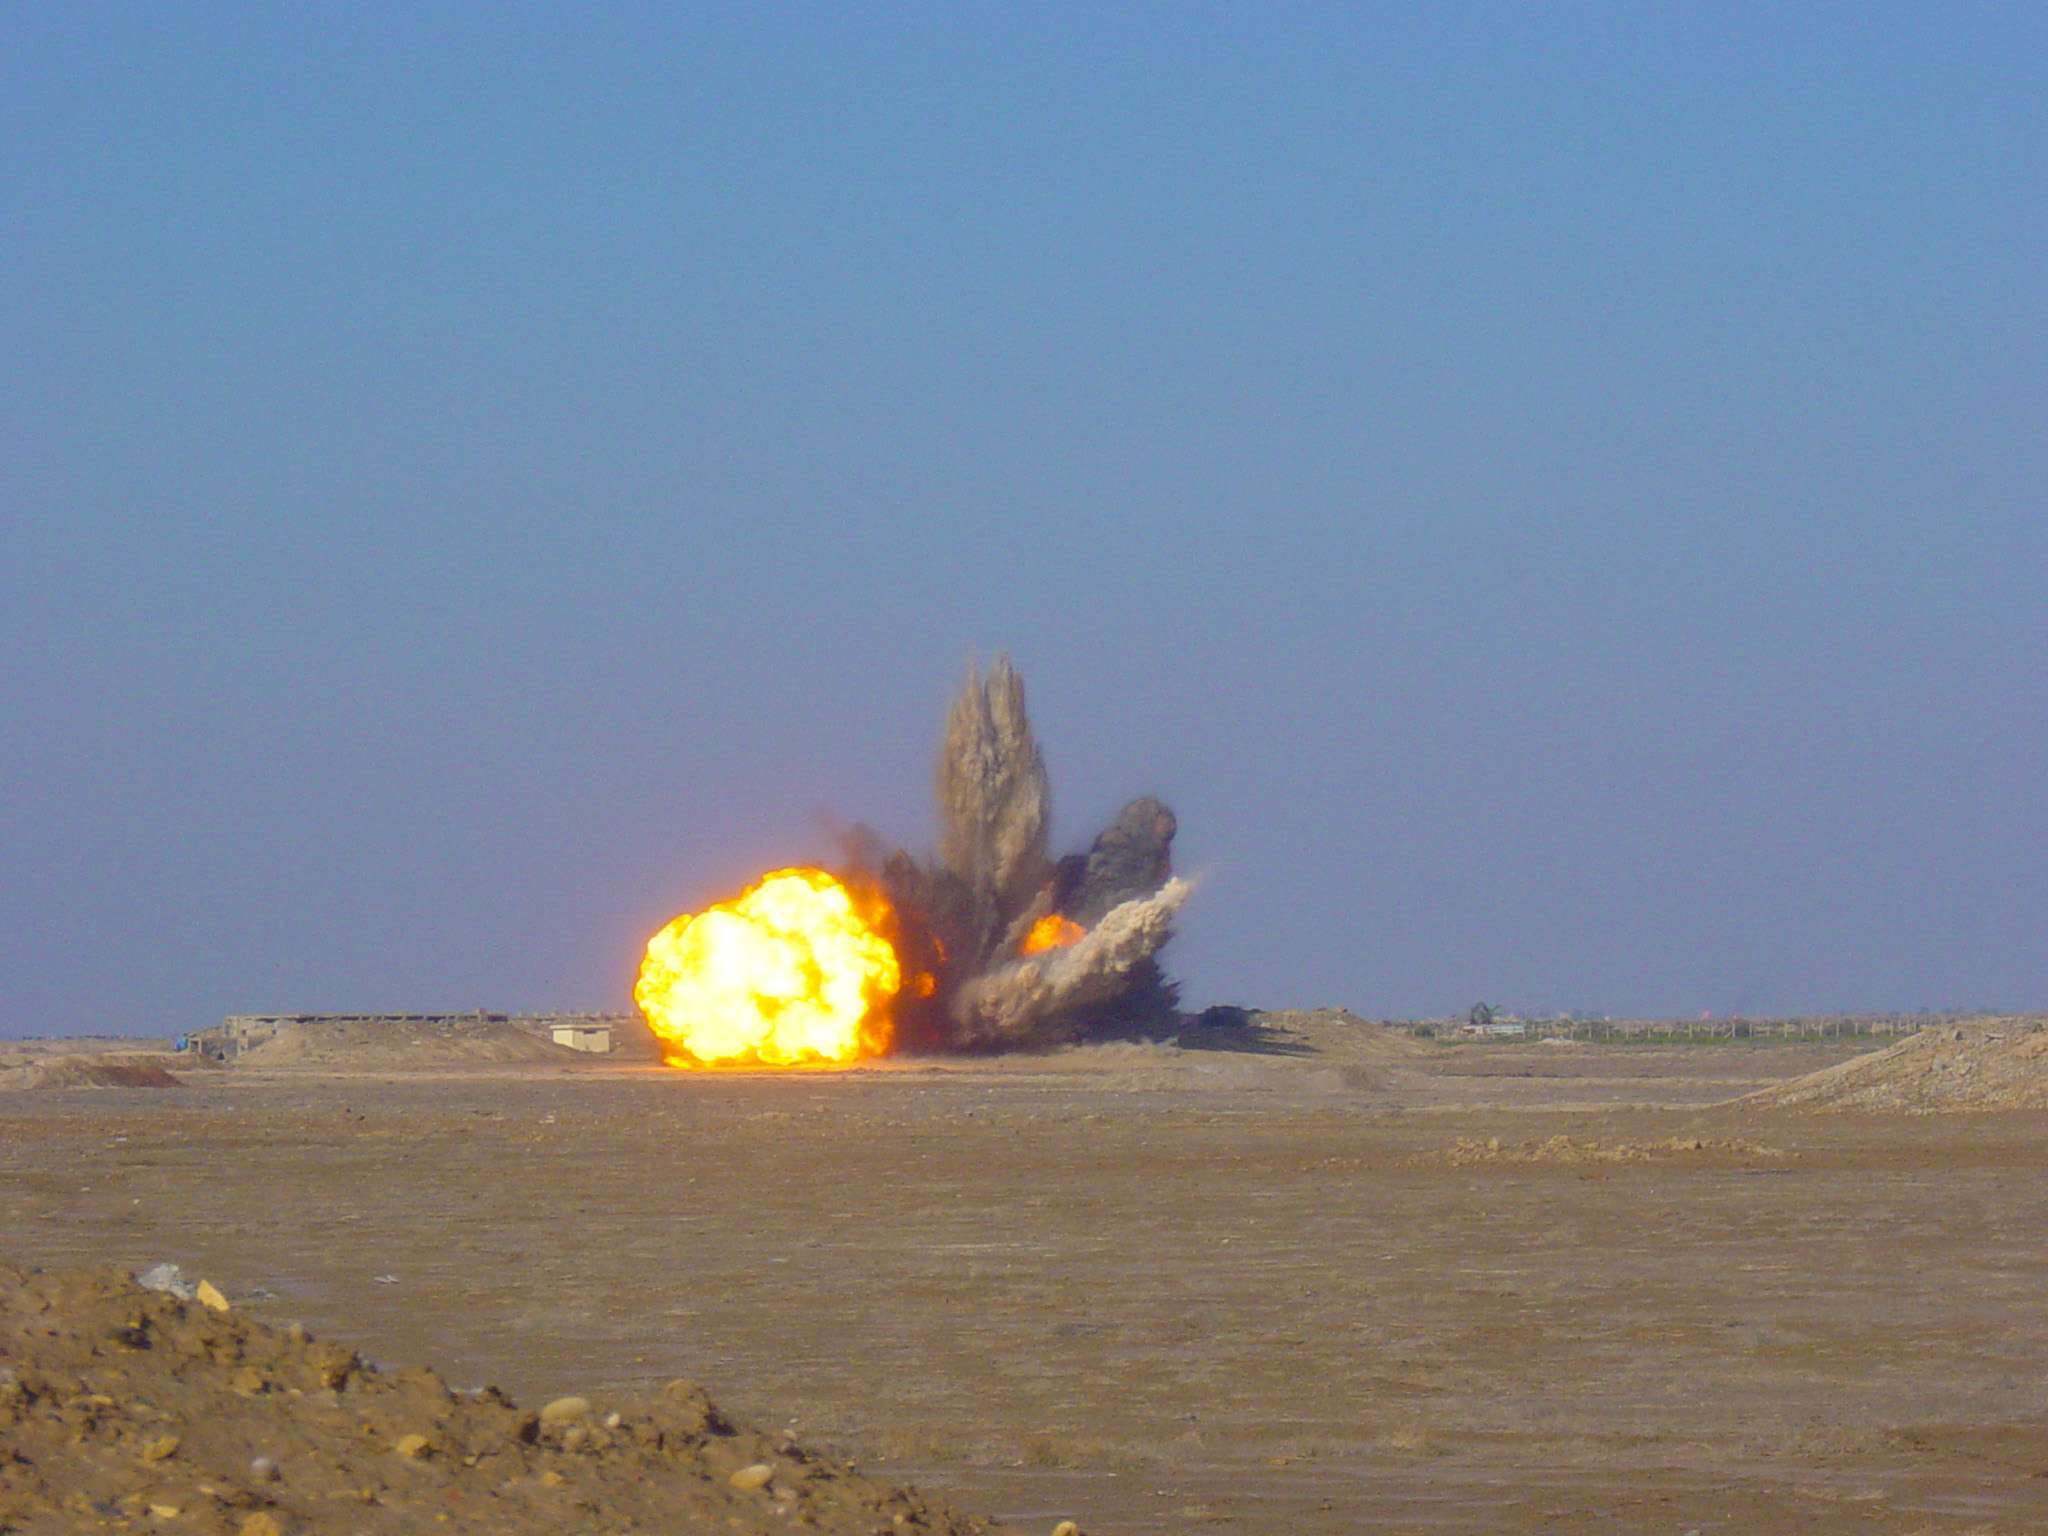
x=583, y=1037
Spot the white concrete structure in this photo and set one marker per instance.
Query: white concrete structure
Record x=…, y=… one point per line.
x=583, y=1037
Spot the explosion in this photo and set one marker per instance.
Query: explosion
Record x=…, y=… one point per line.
x=788, y=973
x=1051, y=932
x=989, y=945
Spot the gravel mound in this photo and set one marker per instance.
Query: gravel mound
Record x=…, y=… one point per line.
x=104, y=1071
x=123, y=1408
x=1987, y=1064
x=348, y=1045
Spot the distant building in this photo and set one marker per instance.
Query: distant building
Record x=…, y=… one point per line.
x=583, y=1037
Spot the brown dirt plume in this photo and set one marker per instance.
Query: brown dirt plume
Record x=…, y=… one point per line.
x=122, y=1408
x=1028, y=1000
x=964, y=921
x=994, y=801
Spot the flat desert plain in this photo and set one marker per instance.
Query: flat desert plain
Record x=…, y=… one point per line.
x=1317, y=1279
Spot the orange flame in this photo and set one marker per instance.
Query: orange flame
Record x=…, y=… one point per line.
x=790, y=972
x=1051, y=931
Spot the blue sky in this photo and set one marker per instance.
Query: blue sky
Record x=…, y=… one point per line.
x=1553, y=496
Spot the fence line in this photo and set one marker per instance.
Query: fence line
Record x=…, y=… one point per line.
x=1845, y=1028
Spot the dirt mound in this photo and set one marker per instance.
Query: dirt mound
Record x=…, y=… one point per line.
x=350, y=1045
x=121, y=1408
x=1465, y=1152
x=1332, y=1034
x=94, y=1071
x=1987, y=1064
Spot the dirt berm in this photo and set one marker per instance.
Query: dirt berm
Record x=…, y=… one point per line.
x=344, y=1045
x=83, y=1071
x=127, y=1409
x=1986, y=1064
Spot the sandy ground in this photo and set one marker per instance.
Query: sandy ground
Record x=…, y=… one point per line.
x=1155, y=1289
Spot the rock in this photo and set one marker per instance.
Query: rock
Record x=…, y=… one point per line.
x=575, y=1437
x=167, y=1278
x=552, y=1479
x=164, y=1511
x=262, y=1523
x=414, y=1447
x=612, y=1421
x=686, y=1410
x=755, y=1476
x=565, y=1410
x=207, y=1294
x=161, y=1449
x=262, y=1470
x=1066, y=1528
x=332, y=1365
x=248, y=1381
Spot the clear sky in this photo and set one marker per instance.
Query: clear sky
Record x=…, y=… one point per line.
x=1554, y=496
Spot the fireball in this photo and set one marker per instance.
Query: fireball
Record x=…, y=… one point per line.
x=791, y=972
x=1051, y=931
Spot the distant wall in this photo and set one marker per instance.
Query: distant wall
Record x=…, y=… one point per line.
x=1818, y=1027
x=236, y=1024
x=239, y=1032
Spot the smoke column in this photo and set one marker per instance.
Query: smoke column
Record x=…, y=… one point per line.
x=968, y=917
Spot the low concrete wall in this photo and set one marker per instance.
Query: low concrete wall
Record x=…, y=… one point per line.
x=239, y=1032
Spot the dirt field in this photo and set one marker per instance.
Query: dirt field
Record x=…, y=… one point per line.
x=1335, y=1283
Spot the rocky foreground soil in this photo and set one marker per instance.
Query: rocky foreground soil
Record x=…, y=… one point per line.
x=130, y=1409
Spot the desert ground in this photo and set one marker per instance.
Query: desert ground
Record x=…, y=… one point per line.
x=1313, y=1277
